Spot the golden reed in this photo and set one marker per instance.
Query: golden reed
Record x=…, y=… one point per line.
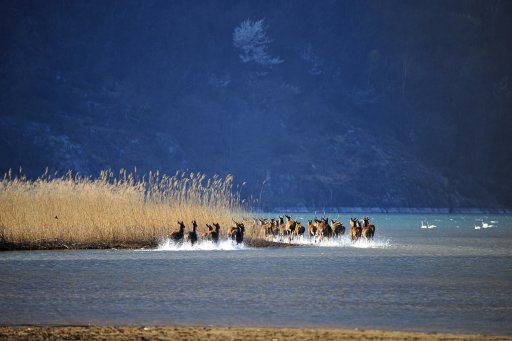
x=110, y=208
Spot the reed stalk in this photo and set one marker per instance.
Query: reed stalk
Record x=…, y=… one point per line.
x=112, y=207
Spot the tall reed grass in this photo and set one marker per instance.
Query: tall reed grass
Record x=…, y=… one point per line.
x=112, y=207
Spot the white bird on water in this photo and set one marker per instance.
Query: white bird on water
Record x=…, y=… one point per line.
x=485, y=225
x=430, y=226
x=423, y=226
x=477, y=227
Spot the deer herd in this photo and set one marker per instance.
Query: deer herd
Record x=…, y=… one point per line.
x=236, y=233
x=281, y=229
x=317, y=229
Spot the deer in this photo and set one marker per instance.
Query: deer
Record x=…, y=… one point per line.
x=282, y=228
x=299, y=230
x=312, y=230
x=355, y=229
x=275, y=227
x=266, y=228
x=177, y=236
x=192, y=235
x=237, y=232
x=290, y=225
x=323, y=228
x=337, y=228
x=208, y=234
x=213, y=232
x=368, y=229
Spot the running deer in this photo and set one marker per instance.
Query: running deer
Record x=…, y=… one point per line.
x=282, y=228
x=323, y=228
x=368, y=229
x=275, y=227
x=355, y=229
x=267, y=228
x=299, y=230
x=290, y=226
x=177, y=236
x=311, y=230
x=192, y=235
x=215, y=234
x=337, y=228
x=208, y=234
x=236, y=233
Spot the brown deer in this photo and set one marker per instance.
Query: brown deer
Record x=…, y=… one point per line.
x=192, y=235
x=266, y=228
x=368, y=229
x=290, y=226
x=213, y=232
x=323, y=228
x=312, y=230
x=207, y=234
x=214, y=235
x=177, y=236
x=237, y=232
x=299, y=230
x=275, y=227
x=337, y=228
x=282, y=228
x=355, y=229
x=263, y=230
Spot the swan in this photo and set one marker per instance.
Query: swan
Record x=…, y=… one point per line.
x=423, y=226
x=477, y=227
x=430, y=226
x=485, y=225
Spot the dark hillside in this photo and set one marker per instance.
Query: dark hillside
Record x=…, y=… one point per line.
x=321, y=104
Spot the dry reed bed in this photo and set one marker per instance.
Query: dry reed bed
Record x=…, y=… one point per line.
x=110, y=208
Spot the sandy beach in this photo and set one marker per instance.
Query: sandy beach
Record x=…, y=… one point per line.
x=219, y=333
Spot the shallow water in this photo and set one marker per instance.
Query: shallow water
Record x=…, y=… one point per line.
x=448, y=278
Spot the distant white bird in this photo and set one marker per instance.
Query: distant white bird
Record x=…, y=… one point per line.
x=477, y=227
x=423, y=226
x=485, y=225
x=430, y=226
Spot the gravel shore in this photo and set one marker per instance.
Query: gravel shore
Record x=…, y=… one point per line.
x=219, y=333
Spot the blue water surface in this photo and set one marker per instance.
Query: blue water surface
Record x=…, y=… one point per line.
x=450, y=278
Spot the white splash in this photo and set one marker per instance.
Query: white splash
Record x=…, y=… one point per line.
x=203, y=245
x=338, y=242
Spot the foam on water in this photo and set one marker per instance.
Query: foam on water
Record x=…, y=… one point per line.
x=339, y=242
x=229, y=245
x=203, y=245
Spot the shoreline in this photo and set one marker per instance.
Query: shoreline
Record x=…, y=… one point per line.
x=220, y=333
x=47, y=245
x=385, y=210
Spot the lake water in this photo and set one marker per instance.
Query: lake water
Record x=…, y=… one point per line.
x=449, y=278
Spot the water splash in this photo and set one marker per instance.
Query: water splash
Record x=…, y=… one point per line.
x=229, y=245
x=203, y=245
x=339, y=242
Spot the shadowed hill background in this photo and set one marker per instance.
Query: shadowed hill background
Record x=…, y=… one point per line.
x=313, y=104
